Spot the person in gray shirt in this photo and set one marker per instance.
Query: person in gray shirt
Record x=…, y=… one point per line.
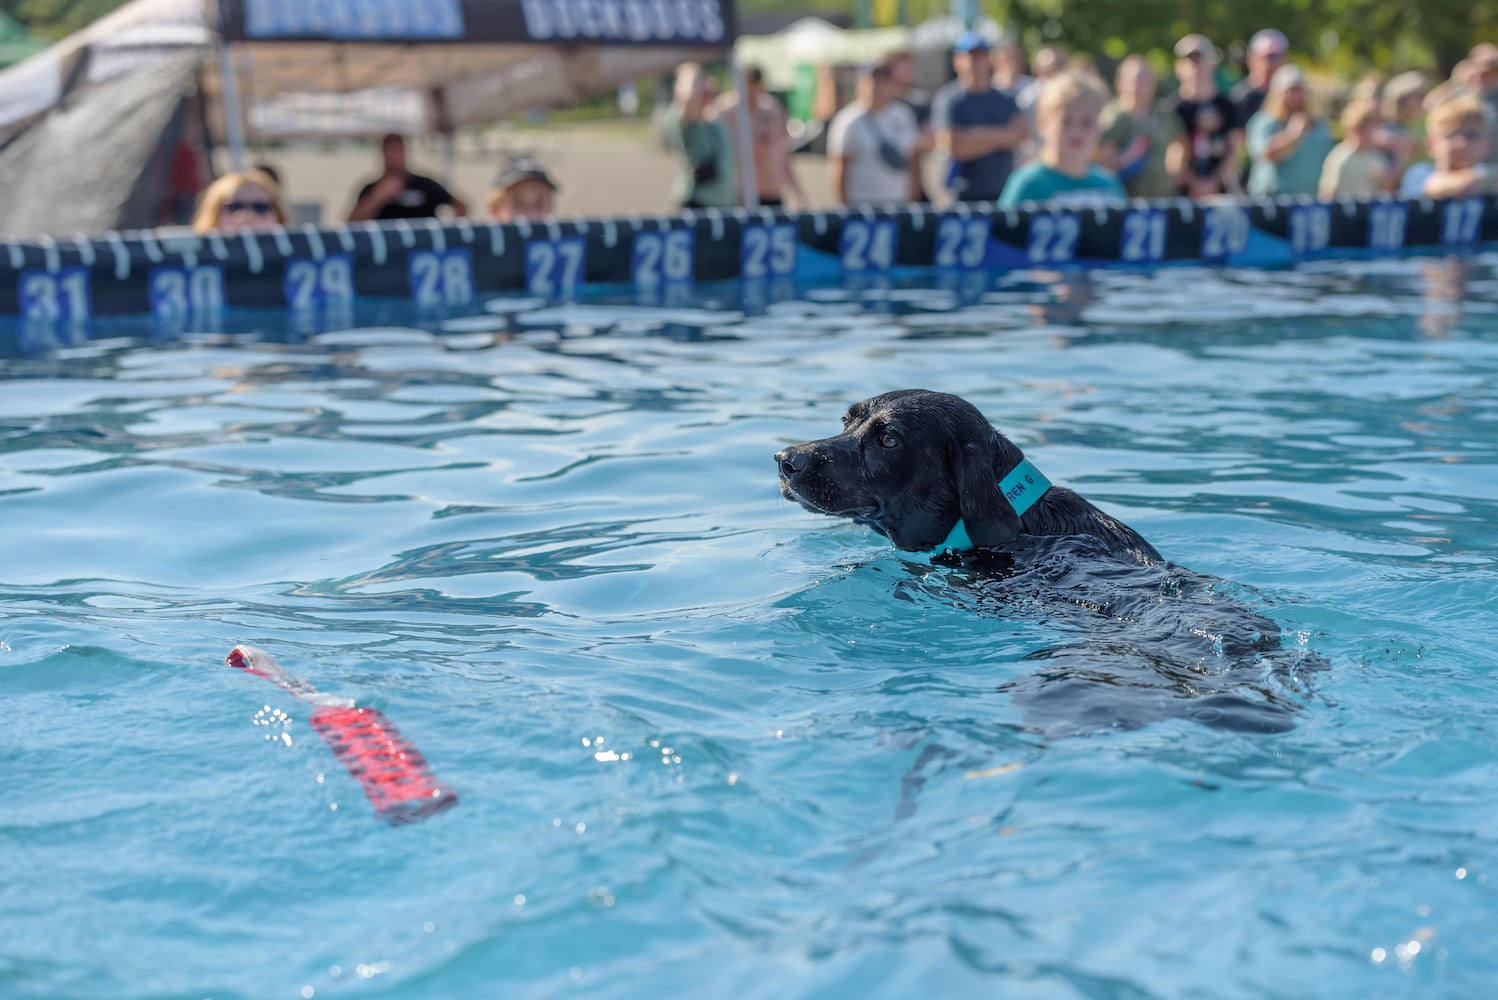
x=979, y=126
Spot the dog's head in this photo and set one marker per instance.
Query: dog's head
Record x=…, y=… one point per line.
x=909, y=464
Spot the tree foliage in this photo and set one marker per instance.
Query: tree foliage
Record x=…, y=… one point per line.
x=55, y=18
x=1344, y=36
x=1339, y=34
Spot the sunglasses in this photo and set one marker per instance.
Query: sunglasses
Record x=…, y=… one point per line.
x=1469, y=134
x=1194, y=56
x=256, y=207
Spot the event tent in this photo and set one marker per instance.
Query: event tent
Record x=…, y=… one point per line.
x=277, y=68
x=811, y=41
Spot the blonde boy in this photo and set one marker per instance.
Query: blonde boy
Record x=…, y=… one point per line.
x=1356, y=167
x=1066, y=120
x=1460, y=138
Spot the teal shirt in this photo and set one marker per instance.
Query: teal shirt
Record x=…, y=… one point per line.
x=1037, y=182
x=702, y=144
x=1298, y=173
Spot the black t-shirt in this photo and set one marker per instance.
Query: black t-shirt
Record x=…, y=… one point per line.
x=1248, y=100
x=1206, y=141
x=420, y=199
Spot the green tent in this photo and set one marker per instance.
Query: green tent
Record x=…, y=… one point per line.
x=16, y=43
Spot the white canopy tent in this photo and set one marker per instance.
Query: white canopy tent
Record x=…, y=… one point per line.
x=813, y=41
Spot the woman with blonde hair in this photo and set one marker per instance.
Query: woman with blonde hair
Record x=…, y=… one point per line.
x=246, y=201
x=1356, y=167
x=1286, y=142
x=1402, y=133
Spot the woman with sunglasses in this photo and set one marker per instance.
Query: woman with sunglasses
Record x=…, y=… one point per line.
x=246, y=201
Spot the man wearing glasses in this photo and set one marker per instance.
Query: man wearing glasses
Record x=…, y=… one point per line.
x=1266, y=53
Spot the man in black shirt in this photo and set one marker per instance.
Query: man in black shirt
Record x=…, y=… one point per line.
x=1203, y=158
x=400, y=194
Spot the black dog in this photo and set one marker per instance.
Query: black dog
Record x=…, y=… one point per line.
x=929, y=472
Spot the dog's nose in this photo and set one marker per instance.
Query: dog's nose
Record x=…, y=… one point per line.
x=790, y=462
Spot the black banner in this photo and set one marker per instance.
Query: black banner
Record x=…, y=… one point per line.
x=688, y=23
x=65, y=283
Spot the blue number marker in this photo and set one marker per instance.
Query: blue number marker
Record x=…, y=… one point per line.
x=555, y=268
x=868, y=247
x=441, y=278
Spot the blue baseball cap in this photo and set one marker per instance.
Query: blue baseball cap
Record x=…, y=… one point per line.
x=970, y=41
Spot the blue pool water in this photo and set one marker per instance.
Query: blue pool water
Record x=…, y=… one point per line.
x=708, y=744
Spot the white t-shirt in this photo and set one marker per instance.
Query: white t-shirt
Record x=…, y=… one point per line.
x=855, y=136
x=1360, y=173
x=1412, y=184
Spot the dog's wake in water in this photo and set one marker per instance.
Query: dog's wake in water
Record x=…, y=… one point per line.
x=1144, y=643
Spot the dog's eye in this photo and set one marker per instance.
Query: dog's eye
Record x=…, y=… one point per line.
x=888, y=440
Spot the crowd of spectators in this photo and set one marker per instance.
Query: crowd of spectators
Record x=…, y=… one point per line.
x=250, y=200
x=1008, y=129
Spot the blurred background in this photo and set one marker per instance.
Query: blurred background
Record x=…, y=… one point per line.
x=603, y=146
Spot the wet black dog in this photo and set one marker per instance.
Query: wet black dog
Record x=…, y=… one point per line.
x=929, y=472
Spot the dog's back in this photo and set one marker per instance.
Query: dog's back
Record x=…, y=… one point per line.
x=1140, y=642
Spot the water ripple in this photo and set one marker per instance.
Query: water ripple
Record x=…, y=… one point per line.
x=707, y=743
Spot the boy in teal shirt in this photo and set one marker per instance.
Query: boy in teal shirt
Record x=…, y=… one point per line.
x=1066, y=118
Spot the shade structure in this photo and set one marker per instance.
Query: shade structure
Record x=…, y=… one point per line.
x=363, y=66
x=277, y=69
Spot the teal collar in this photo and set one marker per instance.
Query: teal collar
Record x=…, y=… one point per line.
x=1023, y=488
x=957, y=541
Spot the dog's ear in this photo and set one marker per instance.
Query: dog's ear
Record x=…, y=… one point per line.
x=990, y=519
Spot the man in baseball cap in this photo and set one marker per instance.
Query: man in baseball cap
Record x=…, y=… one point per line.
x=1203, y=156
x=522, y=191
x=1195, y=46
x=979, y=125
x=970, y=41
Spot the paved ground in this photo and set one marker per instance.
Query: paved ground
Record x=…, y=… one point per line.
x=602, y=170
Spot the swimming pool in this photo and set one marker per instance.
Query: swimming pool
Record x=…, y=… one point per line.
x=706, y=743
